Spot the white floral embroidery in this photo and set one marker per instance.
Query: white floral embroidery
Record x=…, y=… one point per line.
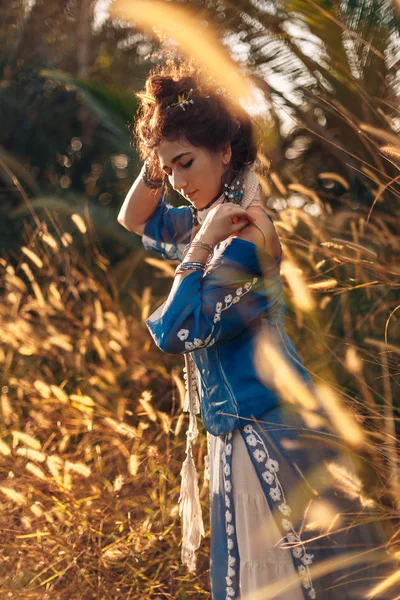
x=268, y=477
x=197, y=342
x=285, y=509
x=229, y=527
x=287, y=525
x=251, y=440
x=259, y=455
x=307, y=559
x=275, y=494
x=272, y=465
x=183, y=334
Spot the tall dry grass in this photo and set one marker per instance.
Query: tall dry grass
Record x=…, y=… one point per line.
x=90, y=458
x=92, y=430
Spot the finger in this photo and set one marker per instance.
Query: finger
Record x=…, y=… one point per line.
x=243, y=218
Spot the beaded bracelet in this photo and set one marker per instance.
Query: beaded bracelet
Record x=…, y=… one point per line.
x=198, y=244
x=150, y=183
x=186, y=266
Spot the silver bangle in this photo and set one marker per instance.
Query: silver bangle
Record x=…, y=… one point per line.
x=198, y=244
x=189, y=266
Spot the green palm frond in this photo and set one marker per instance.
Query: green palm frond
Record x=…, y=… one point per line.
x=115, y=109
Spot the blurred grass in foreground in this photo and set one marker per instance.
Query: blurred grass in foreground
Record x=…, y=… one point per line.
x=90, y=461
x=92, y=431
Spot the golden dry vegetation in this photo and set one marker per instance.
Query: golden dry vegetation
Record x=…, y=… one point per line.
x=89, y=458
x=93, y=432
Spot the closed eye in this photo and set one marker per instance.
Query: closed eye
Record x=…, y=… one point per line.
x=188, y=164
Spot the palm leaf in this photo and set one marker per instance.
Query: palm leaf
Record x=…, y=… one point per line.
x=113, y=108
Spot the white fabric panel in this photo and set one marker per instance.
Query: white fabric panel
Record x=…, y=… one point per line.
x=262, y=561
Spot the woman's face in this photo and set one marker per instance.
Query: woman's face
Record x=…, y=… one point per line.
x=194, y=171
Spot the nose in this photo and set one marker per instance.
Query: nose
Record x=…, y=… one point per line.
x=178, y=181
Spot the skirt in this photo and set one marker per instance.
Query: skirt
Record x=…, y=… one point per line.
x=288, y=518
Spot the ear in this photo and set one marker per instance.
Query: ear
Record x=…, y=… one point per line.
x=226, y=154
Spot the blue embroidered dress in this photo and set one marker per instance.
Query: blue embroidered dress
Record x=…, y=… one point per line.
x=216, y=316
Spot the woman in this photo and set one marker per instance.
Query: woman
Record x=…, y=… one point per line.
x=226, y=294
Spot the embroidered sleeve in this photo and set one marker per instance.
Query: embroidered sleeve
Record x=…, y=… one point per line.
x=216, y=306
x=168, y=229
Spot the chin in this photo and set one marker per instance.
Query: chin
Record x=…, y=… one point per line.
x=199, y=203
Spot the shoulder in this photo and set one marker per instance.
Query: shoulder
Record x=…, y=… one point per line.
x=252, y=233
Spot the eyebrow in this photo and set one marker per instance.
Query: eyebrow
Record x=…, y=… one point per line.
x=177, y=157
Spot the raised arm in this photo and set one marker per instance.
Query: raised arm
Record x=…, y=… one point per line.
x=202, y=309
x=138, y=206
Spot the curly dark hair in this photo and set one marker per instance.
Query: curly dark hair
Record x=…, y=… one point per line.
x=211, y=122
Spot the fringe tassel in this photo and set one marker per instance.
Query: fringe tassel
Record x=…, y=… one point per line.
x=192, y=400
x=189, y=499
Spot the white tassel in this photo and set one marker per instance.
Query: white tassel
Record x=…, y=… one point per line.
x=189, y=499
x=190, y=510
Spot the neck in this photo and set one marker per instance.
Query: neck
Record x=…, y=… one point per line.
x=201, y=213
x=244, y=195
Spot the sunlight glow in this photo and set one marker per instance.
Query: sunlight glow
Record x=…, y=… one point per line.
x=194, y=40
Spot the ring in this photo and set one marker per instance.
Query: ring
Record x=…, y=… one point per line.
x=235, y=219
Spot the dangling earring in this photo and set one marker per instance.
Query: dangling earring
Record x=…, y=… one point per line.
x=234, y=192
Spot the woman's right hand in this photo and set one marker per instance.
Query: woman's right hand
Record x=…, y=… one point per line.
x=223, y=221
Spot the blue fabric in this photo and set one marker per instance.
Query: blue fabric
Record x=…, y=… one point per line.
x=291, y=463
x=216, y=315
x=168, y=230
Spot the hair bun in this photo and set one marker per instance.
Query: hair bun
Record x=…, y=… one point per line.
x=165, y=89
x=160, y=87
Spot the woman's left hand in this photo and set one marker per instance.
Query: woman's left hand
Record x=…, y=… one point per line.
x=223, y=221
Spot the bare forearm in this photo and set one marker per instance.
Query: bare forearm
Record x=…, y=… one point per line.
x=138, y=206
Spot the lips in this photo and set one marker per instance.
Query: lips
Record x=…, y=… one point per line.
x=189, y=195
